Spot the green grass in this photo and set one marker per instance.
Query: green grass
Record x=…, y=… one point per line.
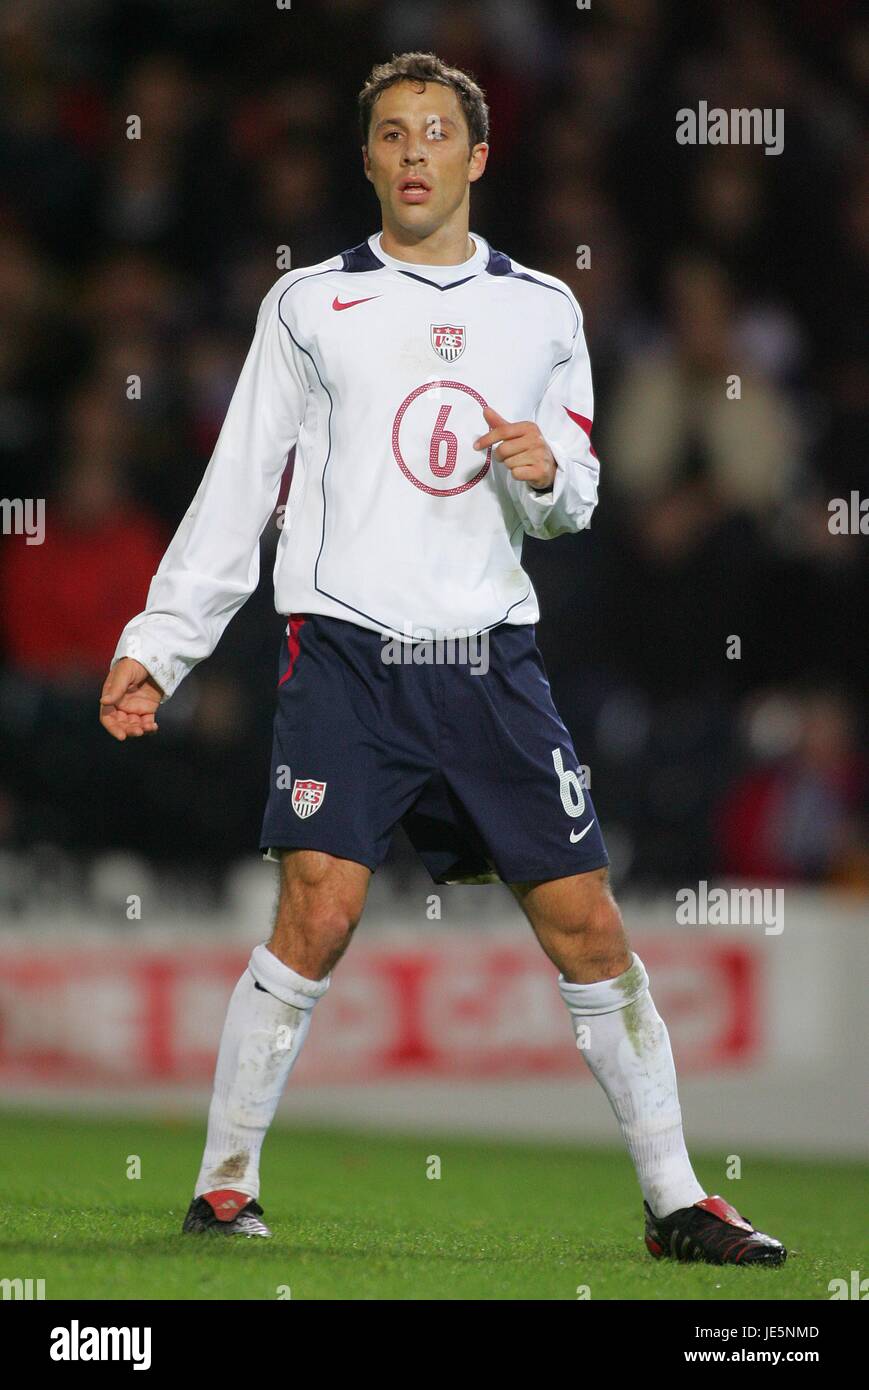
x=355, y=1217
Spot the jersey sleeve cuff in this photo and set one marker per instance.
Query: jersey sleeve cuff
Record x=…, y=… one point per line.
x=156, y=660
x=539, y=504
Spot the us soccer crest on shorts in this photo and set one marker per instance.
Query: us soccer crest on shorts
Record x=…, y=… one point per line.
x=307, y=797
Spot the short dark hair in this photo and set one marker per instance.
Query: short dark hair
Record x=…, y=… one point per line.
x=426, y=67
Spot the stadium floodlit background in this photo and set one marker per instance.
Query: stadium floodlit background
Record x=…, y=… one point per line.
x=705, y=639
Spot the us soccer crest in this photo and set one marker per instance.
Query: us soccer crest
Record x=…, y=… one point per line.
x=448, y=340
x=307, y=797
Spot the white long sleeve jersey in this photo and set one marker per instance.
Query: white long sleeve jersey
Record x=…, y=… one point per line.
x=377, y=370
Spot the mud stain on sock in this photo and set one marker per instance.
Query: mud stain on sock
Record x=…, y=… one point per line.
x=632, y=980
x=234, y=1166
x=643, y=1028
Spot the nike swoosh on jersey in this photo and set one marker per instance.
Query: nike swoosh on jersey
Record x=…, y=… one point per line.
x=336, y=303
x=574, y=838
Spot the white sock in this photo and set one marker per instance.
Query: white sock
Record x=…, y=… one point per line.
x=628, y=1050
x=262, y=1037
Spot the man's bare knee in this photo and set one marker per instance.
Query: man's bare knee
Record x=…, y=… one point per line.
x=578, y=924
x=320, y=902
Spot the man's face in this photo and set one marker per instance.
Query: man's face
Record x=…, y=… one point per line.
x=422, y=138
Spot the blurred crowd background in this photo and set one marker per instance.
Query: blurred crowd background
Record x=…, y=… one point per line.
x=707, y=756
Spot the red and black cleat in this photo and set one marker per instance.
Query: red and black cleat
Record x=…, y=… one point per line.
x=227, y=1213
x=711, y=1230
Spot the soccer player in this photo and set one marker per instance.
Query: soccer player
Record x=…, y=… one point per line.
x=439, y=397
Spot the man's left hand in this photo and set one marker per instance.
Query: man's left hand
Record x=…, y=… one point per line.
x=522, y=448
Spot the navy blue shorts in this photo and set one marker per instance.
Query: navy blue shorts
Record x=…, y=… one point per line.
x=478, y=768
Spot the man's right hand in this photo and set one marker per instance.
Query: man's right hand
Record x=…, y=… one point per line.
x=129, y=700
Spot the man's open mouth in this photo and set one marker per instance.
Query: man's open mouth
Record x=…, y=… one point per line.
x=414, y=190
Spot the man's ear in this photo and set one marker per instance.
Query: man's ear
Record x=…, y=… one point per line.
x=477, y=162
x=366, y=163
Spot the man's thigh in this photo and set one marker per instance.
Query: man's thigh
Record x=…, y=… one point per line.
x=352, y=744
x=509, y=761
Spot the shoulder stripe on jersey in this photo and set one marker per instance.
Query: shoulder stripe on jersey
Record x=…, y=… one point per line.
x=499, y=264
x=360, y=258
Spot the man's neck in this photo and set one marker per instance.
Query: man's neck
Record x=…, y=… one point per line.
x=452, y=248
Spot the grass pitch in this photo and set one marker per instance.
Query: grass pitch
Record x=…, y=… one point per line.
x=356, y=1217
